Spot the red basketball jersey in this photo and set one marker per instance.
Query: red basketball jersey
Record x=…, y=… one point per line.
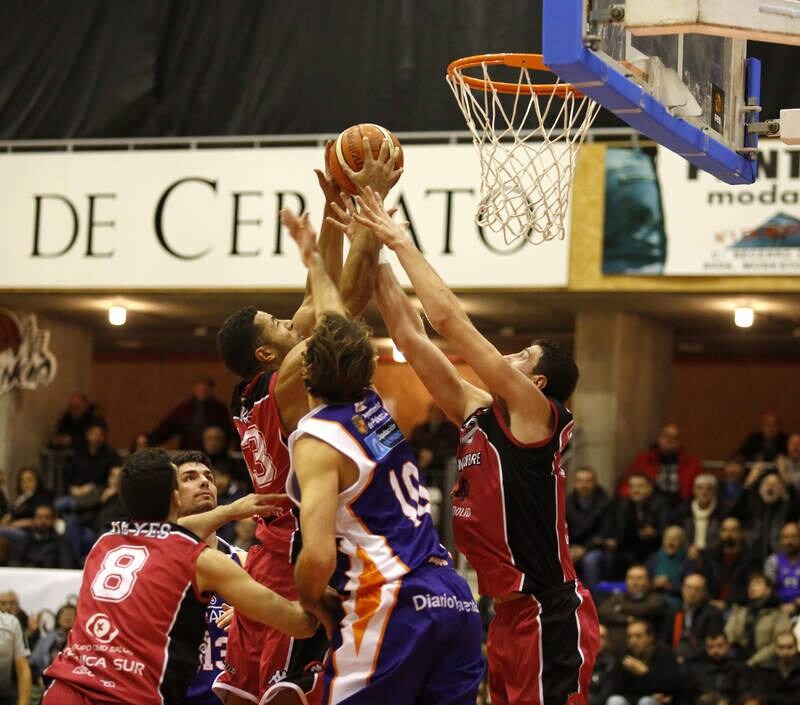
x=509, y=505
x=264, y=447
x=140, y=617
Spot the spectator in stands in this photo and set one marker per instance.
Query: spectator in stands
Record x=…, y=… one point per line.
x=30, y=494
x=87, y=474
x=686, y=627
x=641, y=519
x=701, y=516
x=9, y=602
x=732, y=483
x=215, y=446
x=789, y=463
x=189, y=418
x=245, y=534
x=111, y=506
x=13, y=663
x=729, y=565
x=670, y=468
x=718, y=670
x=648, y=670
x=752, y=627
x=783, y=568
x=778, y=678
x=434, y=440
x=51, y=643
x=765, y=508
x=75, y=421
x=43, y=547
x=668, y=565
x=590, y=519
x=140, y=442
x=637, y=602
x=766, y=444
x=605, y=669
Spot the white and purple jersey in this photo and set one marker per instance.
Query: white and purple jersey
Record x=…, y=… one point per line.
x=411, y=630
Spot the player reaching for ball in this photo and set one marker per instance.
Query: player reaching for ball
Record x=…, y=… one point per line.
x=509, y=514
x=145, y=587
x=410, y=630
x=266, y=354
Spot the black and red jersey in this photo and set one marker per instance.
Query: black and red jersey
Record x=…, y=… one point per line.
x=509, y=513
x=264, y=447
x=140, y=617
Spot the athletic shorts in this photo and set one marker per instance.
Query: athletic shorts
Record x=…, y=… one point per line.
x=415, y=641
x=259, y=657
x=542, y=651
x=61, y=694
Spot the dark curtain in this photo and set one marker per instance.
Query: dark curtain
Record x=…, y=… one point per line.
x=122, y=68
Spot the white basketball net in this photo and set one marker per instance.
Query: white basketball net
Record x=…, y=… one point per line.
x=528, y=147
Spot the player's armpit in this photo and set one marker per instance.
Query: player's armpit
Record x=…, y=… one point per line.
x=215, y=572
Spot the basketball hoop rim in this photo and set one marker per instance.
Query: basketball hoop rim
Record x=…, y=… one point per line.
x=535, y=62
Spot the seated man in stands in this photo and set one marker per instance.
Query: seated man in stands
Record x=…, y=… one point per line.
x=783, y=568
x=669, y=565
x=75, y=421
x=751, y=628
x=590, y=521
x=605, y=672
x=686, y=627
x=43, y=547
x=766, y=444
x=700, y=517
x=789, y=463
x=641, y=519
x=638, y=602
x=647, y=670
x=778, y=678
x=718, y=670
x=670, y=468
x=728, y=565
x=732, y=482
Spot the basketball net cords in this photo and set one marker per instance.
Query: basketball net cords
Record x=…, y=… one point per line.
x=526, y=174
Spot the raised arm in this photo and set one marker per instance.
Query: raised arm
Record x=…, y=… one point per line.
x=206, y=523
x=454, y=395
x=218, y=573
x=528, y=409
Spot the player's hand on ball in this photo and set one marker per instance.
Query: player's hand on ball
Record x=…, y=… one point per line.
x=329, y=187
x=374, y=216
x=302, y=233
x=379, y=174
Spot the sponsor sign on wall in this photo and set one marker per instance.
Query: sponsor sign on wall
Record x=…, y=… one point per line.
x=664, y=216
x=208, y=219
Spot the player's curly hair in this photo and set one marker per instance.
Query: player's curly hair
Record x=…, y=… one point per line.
x=560, y=369
x=237, y=341
x=146, y=485
x=339, y=361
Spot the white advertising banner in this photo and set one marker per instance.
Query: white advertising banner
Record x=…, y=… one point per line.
x=42, y=588
x=208, y=219
x=716, y=229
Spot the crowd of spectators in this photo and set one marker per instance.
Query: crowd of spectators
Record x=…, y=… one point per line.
x=696, y=574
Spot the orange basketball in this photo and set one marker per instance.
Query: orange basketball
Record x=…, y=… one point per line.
x=348, y=149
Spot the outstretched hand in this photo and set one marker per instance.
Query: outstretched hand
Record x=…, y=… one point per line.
x=344, y=221
x=377, y=173
x=302, y=233
x=257, y=505
x=373, y=215
x=329, y=187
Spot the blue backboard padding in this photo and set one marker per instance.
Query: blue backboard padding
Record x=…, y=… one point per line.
x=566, y=55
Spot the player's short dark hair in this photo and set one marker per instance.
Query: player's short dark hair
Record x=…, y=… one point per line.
x=146, y=485
x=560, y=369
x=237, y=341
x=192, y=456
x=339, y=361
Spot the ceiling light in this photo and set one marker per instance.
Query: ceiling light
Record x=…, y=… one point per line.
x=117, y=315
x=397, y=356
x=743, y=317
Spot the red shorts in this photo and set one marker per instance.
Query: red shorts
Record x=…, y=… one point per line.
x=542, y=651
x=61, y=694
x=259, y=657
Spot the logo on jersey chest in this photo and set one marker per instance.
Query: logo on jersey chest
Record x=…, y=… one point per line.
x=468, y=460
